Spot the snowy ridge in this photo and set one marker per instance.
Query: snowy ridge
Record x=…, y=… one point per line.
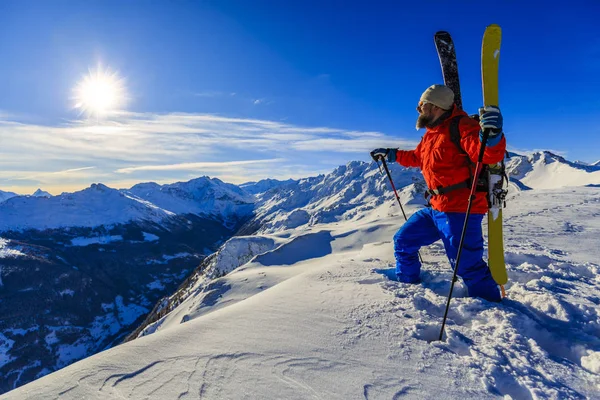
x=264, y=185
x=94, y=206
x=545, y=170
x=202, y=196
x=8, y=251
x=100, y=205
x=314, y=314
x=306, y=307
x=6, y=195
x=344, y=194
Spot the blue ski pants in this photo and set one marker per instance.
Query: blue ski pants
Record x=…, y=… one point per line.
x=427, y=226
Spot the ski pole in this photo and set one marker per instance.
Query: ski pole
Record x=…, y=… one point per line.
x=387, y=171
x=486, y=133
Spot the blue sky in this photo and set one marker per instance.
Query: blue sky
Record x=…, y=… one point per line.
x=244, y=90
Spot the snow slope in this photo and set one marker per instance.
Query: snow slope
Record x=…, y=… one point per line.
x=545, y=170
x=347, y=193
x=202, y=196
x=6, y=195
x=100, y=205
x=264, y=185
x=313, y=314
x=94, y=206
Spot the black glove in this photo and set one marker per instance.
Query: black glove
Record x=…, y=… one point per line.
x=388, y=154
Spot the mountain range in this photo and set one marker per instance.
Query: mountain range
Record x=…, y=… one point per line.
x=82, y=271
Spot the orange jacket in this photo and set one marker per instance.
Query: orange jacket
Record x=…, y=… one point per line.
x=443, y=164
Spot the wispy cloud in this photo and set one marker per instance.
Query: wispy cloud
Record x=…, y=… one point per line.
x=68, y=171
x=214, y=93
x=40, y=174
x=174, y=146
x=195, y=166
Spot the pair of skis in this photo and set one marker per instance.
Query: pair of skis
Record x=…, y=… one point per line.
x=490, y=56
x=489, y=70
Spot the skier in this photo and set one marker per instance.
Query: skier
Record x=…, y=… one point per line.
x=448, y=174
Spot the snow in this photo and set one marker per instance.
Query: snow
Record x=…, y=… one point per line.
x=591, y=362
x=6, y=195
x=51, y=338
x=310, y=311
x=5, y=345
x=166, y=258
x=94, y=206
x=118, y=314
x=41, y=193
x=86, y=241
x=155, y=285
x=545, y=170
x=5, y=251
x=201, y=196
x=100, y=205
x=149, y=237
x=263, y=185
x=67, y=353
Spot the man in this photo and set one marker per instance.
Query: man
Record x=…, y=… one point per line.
x=448, y=172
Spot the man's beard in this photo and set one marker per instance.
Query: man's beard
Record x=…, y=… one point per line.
x=423, y=121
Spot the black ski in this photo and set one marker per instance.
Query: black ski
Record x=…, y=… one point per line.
x=447, y=55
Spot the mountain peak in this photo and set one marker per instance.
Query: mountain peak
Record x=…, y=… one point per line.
x=546, y=170
x=200, y=196
x=100, y=187
x=41, y=193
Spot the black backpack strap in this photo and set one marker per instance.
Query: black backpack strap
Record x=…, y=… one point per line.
x=447, y=189
x=455, y=137
x=455, y=133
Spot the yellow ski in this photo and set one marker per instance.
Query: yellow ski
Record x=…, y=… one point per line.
x=490, y=57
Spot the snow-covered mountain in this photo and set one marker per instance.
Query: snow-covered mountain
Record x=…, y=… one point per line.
x=303, y=293
x=346, y=194
x=96, y=261
x=97, y=205
x=341, y=195
x=6, y=195
x=309, y=310
x=41, y=193
x=264, y=185
x=202, y=196
x=100, y=205
x=545, y=170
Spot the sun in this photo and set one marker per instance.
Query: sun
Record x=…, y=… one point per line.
x=100, y=92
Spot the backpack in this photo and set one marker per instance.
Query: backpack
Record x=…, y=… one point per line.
x=483, y=182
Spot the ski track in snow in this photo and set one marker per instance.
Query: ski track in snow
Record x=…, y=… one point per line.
x=207, y=377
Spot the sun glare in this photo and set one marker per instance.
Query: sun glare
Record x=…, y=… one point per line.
x=100, y=92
